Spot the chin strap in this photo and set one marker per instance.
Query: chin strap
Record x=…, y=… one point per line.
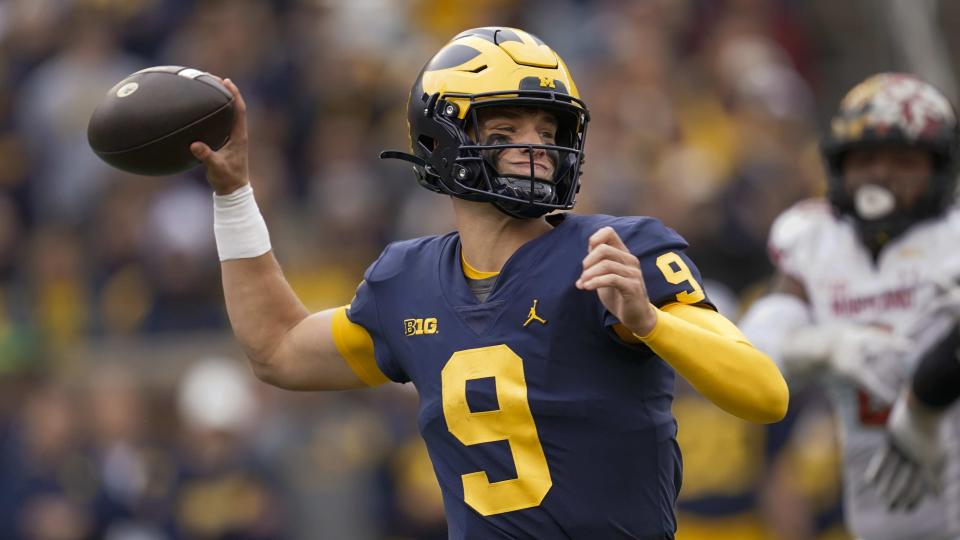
x=520, y=188
x=520, y=210
x=877, y=233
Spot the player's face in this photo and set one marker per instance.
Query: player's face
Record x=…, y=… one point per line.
x=520, y=126
x=903, y=170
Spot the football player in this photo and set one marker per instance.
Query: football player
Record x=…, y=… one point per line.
x=858, y=274
x=543, y=348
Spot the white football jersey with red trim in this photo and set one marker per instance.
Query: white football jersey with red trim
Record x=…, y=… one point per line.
x=844, y=284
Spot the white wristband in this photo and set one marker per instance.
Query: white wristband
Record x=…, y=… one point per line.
x=238, y=226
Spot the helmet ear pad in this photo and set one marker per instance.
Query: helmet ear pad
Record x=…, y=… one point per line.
x=438, y=144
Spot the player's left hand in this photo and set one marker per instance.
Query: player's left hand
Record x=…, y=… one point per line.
x=610, y=269
x=909, y=465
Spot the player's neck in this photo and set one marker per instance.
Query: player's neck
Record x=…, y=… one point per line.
x=489, y=237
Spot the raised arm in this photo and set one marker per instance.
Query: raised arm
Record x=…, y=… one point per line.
x=287, y=346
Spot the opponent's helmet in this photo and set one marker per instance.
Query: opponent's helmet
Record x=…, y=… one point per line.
x=894, y=108
x=494, y=67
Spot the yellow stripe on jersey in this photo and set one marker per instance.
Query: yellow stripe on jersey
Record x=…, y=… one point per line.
x=745, y=526
x=716, y=359
x=356, y=347
x=472, y=272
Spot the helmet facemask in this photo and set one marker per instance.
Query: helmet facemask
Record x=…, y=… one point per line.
x=473, y=171
x=526, y=194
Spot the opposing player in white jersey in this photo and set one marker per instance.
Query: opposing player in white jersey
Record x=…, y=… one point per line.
x=858, y=279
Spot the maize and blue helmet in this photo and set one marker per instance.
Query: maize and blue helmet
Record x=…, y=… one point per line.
x=494, y=67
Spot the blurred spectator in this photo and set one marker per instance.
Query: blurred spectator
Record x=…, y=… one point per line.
x=179, y=258
x=221, y=490
x=48, y=481
x=57, y=281
x=134, y=475
x=54, y=103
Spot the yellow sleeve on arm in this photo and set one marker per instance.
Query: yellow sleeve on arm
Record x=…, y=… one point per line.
x=356, y=347
x=713, y=355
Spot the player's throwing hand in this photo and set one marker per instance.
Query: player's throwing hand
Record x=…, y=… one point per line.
x=610, y=269
x=227, y=168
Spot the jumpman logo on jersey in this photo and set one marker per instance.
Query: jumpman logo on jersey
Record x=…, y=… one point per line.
x=532, y=316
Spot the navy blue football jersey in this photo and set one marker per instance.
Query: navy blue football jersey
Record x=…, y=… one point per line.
x=539, y=421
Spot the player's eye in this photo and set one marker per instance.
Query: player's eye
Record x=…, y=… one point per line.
x=502, y=135
x=496, y=138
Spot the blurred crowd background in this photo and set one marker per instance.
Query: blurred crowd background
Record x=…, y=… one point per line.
x=126, y=410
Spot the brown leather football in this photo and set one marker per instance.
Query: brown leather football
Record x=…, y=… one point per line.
x=146, y=122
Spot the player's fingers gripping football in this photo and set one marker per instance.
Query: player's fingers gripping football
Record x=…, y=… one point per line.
x=227, y=168
x=610, y=269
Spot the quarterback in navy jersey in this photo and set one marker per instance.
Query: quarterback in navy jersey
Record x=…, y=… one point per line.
x=543, y=347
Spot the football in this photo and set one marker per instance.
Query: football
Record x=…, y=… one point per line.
x=146, y=122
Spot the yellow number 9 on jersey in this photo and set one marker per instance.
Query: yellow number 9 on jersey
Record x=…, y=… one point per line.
x=676, y=272
x=512, y=422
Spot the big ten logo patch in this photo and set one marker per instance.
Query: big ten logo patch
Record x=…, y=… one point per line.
x=419, y=327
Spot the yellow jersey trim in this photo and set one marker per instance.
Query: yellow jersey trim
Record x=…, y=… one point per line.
x=742, y=526
x=356, y=347
x=472, y=272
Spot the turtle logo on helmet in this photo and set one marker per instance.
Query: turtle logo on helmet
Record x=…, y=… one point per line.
x=898, y=109
x=480, y=69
